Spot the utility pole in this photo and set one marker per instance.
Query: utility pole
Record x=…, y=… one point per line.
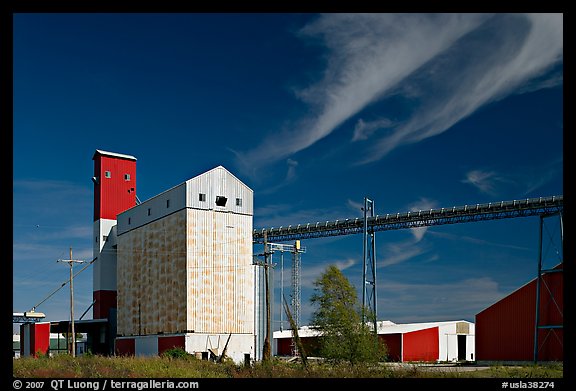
x=71, y=262
x=266, y=353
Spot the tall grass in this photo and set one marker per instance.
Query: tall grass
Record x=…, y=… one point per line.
x=88, y=366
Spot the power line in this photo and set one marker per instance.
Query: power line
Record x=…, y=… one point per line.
x=63, y=284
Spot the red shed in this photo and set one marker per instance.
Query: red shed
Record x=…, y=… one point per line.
x=34, y=339
x=505, y=330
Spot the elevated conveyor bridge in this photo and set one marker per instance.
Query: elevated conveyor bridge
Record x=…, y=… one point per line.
x=541, y=206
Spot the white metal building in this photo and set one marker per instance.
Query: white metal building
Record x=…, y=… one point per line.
x=448, y=341
x=185, y=270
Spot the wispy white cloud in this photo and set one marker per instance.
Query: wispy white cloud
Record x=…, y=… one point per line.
x=422, y=204
x=447, y=65
x=523, y=180
x=485, y=181
x=398, y=252
x=355, y=207
x=290, y=177
x=364, y=130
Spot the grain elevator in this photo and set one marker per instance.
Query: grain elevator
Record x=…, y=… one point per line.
x=178, y=268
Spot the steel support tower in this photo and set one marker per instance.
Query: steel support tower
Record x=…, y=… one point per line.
x=369, y=266
x=541, y=282
x=295, y=298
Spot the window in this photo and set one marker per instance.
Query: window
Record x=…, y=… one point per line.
x=129, y=219
x=202, y=197
x=104, y=238
x=96, y=239
x=238, y=201
x=126, y=177
x=148, y=211
x=107, y=174
x=221, y=200
x=167, y=203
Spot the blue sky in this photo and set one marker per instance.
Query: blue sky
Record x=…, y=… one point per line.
x=313, y=112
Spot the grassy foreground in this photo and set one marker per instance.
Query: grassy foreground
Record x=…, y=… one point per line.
x=64, y=366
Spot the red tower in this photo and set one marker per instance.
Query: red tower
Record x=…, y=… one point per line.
x=114, y=192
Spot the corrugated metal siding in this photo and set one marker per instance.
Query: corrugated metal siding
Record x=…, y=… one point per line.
x=97, y=192
x=162, y=205
x=505, y=330
x=219, y=182
x=104, y=274
x=422, y=345
x=393, y=346
x=115, y=194
x=220, y=273
x=152, y=278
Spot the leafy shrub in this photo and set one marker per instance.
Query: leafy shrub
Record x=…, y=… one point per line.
x=176, y=353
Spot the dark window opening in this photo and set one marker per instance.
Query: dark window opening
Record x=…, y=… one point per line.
x=238, y=201
x=126, y=177
x=148, y=211
x=202, y=197
x=167, y=203
x=129, y=219
x=221, y=200
x=107, y=174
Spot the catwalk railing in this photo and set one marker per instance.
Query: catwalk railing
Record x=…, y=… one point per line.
x=541, y=206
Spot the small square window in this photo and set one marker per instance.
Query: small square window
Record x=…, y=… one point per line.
x=148, y=211
x=126, y=177
x=221, y=200
x=107, y=174
x=167, y=203
x=238, y=201
x=202, y=197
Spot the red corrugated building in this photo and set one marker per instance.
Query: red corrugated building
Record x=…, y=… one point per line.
x=505, y=330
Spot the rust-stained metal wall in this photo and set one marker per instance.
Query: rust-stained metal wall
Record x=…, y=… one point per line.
x=152, y=278
x=220, y=272
x=185, y=265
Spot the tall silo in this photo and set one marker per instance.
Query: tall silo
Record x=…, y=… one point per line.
x=185, y=270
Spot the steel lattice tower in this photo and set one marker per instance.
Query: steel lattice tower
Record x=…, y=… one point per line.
x=296, y=261
x=369, y=265
x=541, y=282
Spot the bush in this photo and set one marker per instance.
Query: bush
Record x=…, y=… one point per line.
x=176, y=353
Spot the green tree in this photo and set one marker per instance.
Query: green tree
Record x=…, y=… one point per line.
x=338, y=317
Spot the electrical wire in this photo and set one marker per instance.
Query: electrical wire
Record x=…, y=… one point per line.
x=63, y=284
